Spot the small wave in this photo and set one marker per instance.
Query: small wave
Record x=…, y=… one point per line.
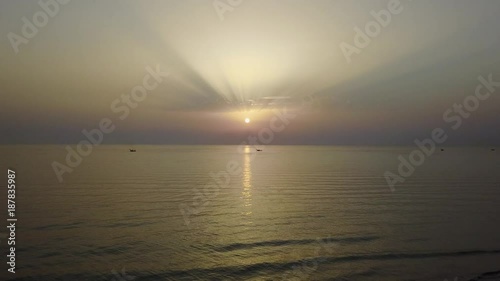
x=261, y=269
x=59, y=226
x=127, y=225
x=277, y=243
x=105, y=250
x=494, y=275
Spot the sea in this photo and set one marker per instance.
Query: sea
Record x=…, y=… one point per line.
x=234, y=213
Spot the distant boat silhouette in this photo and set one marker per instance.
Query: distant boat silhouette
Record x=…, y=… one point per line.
x=132, y=150
x=442, y=149
x=259, y=149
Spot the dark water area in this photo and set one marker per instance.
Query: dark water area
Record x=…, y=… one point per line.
x=231, y=213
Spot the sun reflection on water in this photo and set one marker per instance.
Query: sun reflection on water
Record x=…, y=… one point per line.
x=247, y=181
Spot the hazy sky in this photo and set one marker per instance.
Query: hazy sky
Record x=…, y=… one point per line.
x=226, y=67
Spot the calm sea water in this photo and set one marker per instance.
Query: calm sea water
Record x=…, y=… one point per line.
x=288, y=213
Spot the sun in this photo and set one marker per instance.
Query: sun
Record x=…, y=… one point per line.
x=247, y=120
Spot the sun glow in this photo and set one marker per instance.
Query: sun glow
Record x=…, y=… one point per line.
x=247, y=120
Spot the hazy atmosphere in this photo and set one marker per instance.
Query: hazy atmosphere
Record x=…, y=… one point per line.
x=250, y=140
x=217, y=64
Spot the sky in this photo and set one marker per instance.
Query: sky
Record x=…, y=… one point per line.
x=218, y=62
